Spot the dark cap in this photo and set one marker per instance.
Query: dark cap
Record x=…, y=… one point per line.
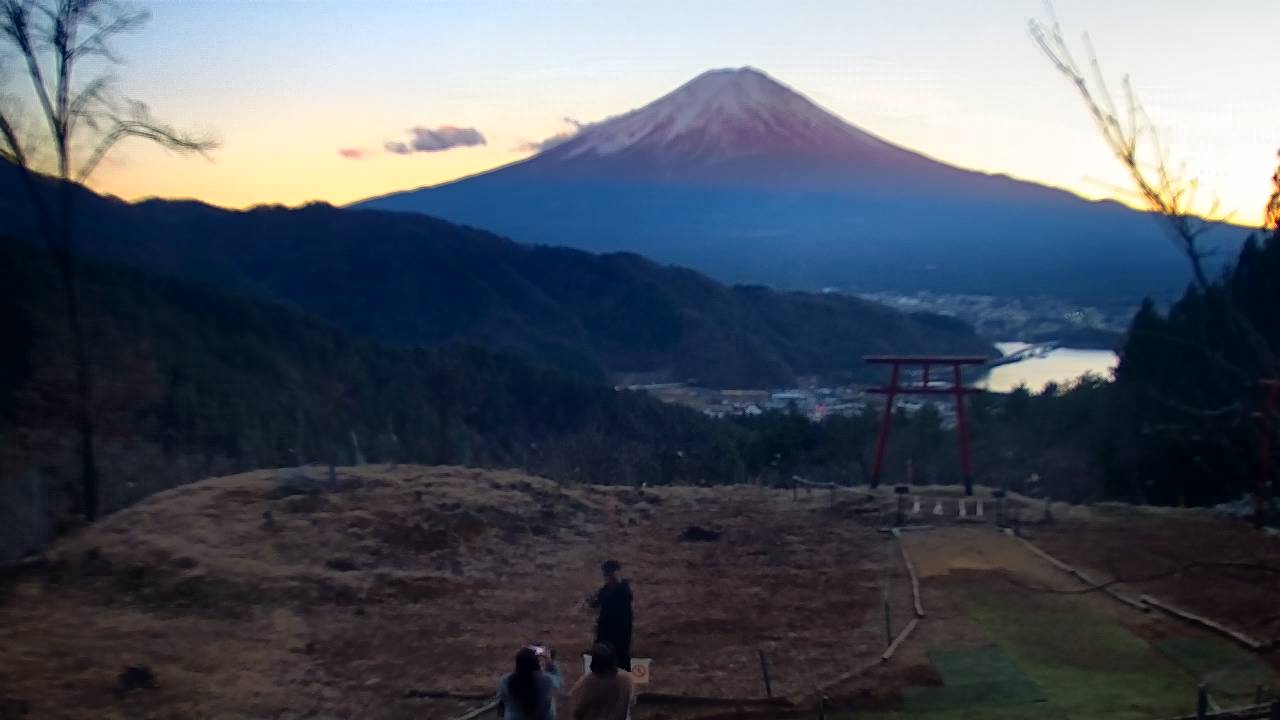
x=610, y=567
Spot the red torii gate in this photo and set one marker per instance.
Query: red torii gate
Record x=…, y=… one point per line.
x=956, y=388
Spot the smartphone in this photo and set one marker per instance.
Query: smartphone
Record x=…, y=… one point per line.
x=538, y=650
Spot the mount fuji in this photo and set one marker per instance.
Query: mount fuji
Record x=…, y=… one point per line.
x=740, y=176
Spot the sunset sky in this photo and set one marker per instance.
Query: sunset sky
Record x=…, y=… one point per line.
x=286, y=85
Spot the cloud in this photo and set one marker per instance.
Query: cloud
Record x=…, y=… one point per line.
x=557, y=139
x=548, y=143
x=444, y=137
x=352, y=153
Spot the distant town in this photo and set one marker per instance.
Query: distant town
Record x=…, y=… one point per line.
x=811, y=400
x=1026, y=319
x=1046, y=321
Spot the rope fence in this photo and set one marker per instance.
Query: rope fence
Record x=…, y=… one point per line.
x=1144, y=603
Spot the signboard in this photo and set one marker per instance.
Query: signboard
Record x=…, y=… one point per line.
x=639, y=668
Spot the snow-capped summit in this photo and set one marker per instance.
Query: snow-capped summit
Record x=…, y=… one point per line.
x=732, y=125
x=729, y=111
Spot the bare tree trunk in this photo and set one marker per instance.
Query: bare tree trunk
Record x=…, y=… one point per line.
x=84, y=406
x=89, y=482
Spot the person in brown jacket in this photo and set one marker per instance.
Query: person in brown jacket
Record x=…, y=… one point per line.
x=605, y=693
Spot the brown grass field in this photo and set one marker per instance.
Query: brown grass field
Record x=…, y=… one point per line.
x=355, y=600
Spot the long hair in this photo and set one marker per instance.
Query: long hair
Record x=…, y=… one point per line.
x=524, y=686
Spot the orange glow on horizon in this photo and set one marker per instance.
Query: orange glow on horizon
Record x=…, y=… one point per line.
x=227, y=180
x=339, y=180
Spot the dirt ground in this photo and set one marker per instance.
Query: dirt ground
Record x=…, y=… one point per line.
x=259, y=596
x=285, y=594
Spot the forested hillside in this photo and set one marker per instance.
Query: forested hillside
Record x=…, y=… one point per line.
x=410, y=280
x=1190, y=383
x=193, y=382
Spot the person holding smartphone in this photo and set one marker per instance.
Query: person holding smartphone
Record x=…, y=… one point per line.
x=529, y=692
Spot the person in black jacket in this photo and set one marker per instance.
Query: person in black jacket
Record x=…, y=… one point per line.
x=614, y=623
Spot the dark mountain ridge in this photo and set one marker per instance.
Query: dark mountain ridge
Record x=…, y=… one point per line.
x=409, y=279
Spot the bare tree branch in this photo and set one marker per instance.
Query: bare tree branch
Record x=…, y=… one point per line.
x=96, y=43
x=13, y=151
x=142, y=126
x=17, y=26
x=1162, y=190
x=83, y=101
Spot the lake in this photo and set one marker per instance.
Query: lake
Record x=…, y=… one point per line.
x=1058, y=366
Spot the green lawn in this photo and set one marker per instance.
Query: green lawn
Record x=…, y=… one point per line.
x=1053, y=659
x=973, y=678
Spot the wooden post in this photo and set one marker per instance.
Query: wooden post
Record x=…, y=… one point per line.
x=888, y=624
x=764, y=671
x=888, y=593
x=1251, y=643
x=911, y=571
x=1202, y=703
x=902, y=637
x=901, y=491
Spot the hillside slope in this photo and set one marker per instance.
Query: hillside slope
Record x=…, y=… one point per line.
x=409, y=280
x=286, y=594
x=350, y=598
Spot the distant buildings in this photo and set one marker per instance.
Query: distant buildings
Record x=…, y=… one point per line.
x=815, y=403
x=1013, y=318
